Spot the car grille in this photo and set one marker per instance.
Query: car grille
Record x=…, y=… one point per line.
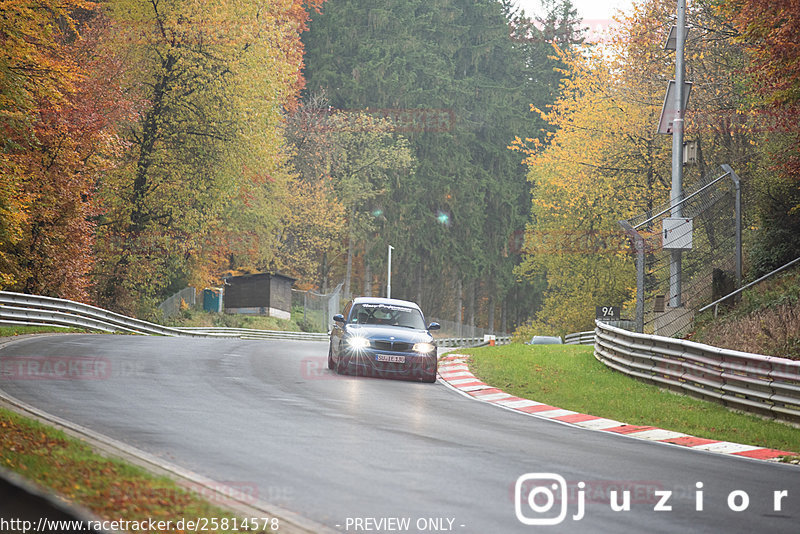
x=394, y=346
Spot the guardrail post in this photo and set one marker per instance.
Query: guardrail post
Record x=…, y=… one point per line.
x=638, y=244
x=738, y=208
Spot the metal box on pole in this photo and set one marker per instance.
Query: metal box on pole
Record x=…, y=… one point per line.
x=677, y=234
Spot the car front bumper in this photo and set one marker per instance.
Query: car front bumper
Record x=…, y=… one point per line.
x=375, y=362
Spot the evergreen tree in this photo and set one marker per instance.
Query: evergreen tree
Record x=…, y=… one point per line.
x=459, y=78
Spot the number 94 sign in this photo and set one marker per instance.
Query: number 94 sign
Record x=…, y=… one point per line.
x=607, y=313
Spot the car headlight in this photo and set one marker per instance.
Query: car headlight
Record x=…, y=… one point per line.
x=424, y=347
x=358, y=343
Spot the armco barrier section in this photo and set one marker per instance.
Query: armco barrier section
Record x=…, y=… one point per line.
x=34, y=310
x=580, y=338
x=465, y=342
x=253, y=333
x=26, y=309
x=765, y=385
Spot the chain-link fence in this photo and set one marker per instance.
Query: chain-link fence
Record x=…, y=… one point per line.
x=172, y=306
x=454, y=329
x=687, y=261
x=314, y=311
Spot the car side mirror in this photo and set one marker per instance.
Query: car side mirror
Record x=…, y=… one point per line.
x=338, y=318
x=434, y=326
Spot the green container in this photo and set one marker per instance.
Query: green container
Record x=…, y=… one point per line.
x=212, y=299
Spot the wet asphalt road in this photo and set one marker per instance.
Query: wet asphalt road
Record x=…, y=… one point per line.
x=268, y=417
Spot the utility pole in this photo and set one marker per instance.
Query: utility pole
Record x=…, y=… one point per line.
x=677, y=153
x=389, y=275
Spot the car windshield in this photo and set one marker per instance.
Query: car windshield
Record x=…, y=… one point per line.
x=387, y=314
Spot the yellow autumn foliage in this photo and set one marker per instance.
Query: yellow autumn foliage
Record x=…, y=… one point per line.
x=603, y=163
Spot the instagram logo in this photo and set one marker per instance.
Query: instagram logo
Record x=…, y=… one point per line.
x=540, y=499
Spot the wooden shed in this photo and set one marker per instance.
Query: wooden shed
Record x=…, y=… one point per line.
x=259, y=294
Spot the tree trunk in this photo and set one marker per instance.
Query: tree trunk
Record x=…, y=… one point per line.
x=459, y=306
x=349, y=270
x=149, y=136
x=490, y=326
x=323, y=286
x=420, y=287
x=367, y=278
x=471, y=308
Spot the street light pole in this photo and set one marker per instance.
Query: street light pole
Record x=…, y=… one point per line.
x=677, y=153
x=389, y=275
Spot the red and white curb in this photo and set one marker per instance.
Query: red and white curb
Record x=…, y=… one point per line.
x=454, y=371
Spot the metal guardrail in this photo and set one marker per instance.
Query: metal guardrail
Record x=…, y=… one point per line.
x=765, y=385
x=252, y=333
x=24, y=308
x=470, y=342
x=34, y=310
x=580, y=338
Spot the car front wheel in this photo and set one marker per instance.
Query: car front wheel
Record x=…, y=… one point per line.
x=341, y=365
x=330, y=356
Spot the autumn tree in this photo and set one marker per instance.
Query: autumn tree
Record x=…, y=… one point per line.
x=203, y=186
x=312, y=233
x=314, y=226
x=369, y=157
x=606, y=163
x=354, y=156
x=60, y=101
x=598, y=167
x=771, y=102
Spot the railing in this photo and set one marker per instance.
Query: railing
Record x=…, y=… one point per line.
x=18, y=308
x=717, y=302
x=580, y=338
x=34, y=310
x=460, y=330
x=764, y=385
x=252, y=333
x=465, y=342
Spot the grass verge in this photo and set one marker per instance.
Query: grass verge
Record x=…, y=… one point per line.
x=111, y=488
x=10, y=331
x=569, y=377
x=232, y=320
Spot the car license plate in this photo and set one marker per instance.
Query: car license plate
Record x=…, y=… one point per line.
x=390, y=358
